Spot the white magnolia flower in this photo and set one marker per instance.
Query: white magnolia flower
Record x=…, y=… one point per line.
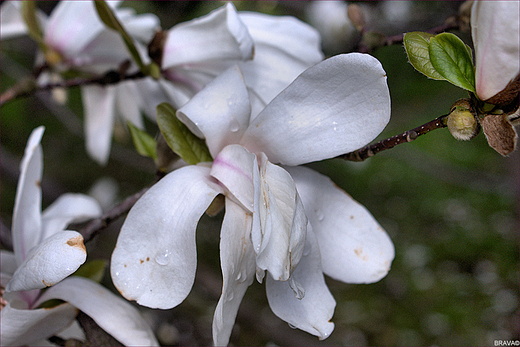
x=44, y=255
x=334, y=107
x=495, y=32
x=331, y=20
x=271, y=51
x=76, y=39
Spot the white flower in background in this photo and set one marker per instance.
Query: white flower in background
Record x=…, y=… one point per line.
x=76, y=39
x=331, y=19
x=332, y=108
x=44, y=255
x=271, y=51
x=495, y=33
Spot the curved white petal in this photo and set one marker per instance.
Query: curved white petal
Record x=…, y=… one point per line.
x=71, y=26
x=11, y=20
x=354, y=248
x=335, y=107
x=237, y=259
x=50, y=262
x=142, y=26
x=27, y=206
x=115, y=315
x=220, y=112
x=68, y=208
x=98, y=105
x=495, y=32
x=129, y=103
x=280, y=240
x=219, y=36
x=313, y=311
x=104, y=52
x=155, y=256
x=235, y=168
x=284, y=48
x=22, y=327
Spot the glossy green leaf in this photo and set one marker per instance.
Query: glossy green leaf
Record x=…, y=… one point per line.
x=107, y=16
x=452, y=60
x=417, y=46
x=180, y=139
x=143, y=142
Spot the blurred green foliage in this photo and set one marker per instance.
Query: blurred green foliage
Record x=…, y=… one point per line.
x=450, y=207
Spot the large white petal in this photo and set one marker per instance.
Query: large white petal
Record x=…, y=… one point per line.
x=307, y=305
x=220, y=112
x=50, y=262
x=155, y=258
x=98, y=105
x=22, y=327
x=283, y=224
x=284, y=48
x=495, y=32
x=237, y=259
x=115, y=315
x=335, y=107
x=68, y=208
x=354, y=247
x=27, y=206
x=71, y=26
x=219, y=36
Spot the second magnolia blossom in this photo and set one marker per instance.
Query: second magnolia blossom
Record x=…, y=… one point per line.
x=289, y=221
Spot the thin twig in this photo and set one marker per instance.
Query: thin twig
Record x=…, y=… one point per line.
x=96, y=225
x=408, y=136
x=26, y=88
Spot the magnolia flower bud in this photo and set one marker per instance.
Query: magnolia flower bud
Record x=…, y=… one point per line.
x=462, y=120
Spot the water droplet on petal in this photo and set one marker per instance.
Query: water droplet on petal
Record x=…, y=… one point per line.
x=163, y=257
x=320, y=215
x=230, y=295
x=299, y=291
x=234, y=126
x=241, y=276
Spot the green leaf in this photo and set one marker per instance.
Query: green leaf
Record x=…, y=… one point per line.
x=29, y=16
x=417, y=46
x=107, y=16
x=94, y=270
x=180, y=139
x=452, y=59
x=143, y=142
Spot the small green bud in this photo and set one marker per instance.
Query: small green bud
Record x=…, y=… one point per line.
x=462, y=120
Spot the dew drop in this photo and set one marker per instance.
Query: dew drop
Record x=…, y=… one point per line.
x=241, y=276
x=320, y=215
x=230, y=295
x=163, y=257
x=299, y=291
x=234, y=126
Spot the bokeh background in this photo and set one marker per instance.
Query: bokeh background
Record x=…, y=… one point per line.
x=450, y=207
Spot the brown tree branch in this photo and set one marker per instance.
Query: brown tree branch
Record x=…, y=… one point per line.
x=408, y=136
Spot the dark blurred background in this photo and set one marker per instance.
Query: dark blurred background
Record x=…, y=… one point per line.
x=450, y=207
